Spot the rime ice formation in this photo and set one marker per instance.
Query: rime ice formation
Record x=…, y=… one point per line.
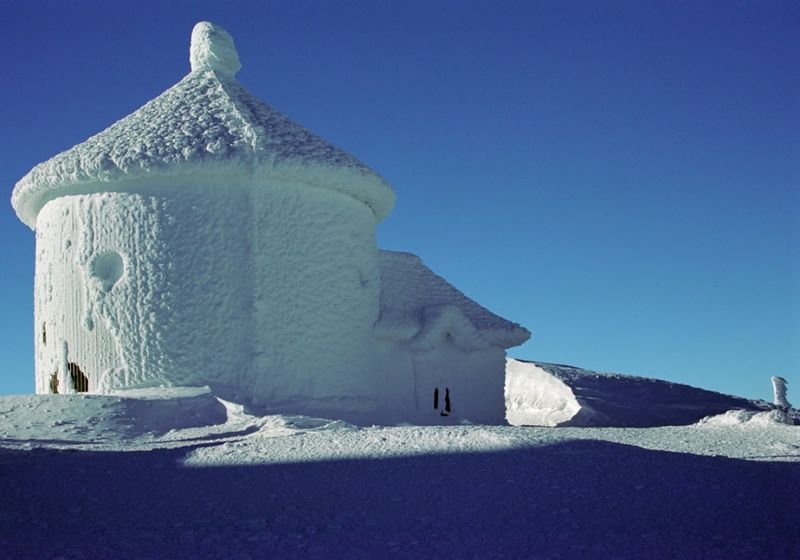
x=779, y=392
x=212, y=48
x=208, y=239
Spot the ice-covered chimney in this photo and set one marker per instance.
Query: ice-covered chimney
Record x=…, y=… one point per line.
x=779, y=391
x=212, y=48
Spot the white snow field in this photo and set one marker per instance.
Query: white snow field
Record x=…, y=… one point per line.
x=185, y=475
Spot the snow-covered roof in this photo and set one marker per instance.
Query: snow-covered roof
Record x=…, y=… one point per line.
x=419, y=305
x=205, y=125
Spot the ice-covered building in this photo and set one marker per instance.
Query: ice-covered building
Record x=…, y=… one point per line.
x=206, y=238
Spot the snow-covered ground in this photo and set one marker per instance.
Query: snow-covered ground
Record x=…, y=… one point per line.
x=142, y=476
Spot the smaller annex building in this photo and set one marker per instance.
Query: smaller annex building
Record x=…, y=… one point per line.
x=208, y=239
x=440, y=356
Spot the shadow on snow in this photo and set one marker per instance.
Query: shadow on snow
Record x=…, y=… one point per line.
x=576, y=499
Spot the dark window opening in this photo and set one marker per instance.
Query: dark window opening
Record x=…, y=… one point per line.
x=79, y=379
x=54, y=383
x=44, y=334
x=447, y=409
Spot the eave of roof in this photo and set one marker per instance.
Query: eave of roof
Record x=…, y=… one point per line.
x=421, y=307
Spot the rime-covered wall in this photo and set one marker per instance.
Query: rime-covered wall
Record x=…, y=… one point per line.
x=143, y=288
x=316, y=299
x=474, y=380
x=407, y=377
x=254, y=287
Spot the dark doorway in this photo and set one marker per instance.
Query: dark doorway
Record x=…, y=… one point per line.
x=79, y=379
x=446, y=410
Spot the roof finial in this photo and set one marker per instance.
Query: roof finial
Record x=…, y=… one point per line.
x=212, y=48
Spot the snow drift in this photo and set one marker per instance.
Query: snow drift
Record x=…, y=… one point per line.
x=535, y=397
x=748, y=418
x=542, y=394
x=97, y=418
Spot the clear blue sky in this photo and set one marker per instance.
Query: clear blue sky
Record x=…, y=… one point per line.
x=622, y=178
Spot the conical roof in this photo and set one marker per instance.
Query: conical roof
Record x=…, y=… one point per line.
x=205, y=125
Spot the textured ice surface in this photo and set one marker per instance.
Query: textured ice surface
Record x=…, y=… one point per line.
x=270, y=294
x=209, y=125
x=209, y=283
x=779, y=387
x=417, y=304
x=212, y=48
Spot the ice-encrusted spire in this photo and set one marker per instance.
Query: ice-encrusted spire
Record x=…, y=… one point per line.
x=779, y=391
x=212, y=48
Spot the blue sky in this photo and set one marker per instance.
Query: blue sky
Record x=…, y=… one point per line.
x=622, y=178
